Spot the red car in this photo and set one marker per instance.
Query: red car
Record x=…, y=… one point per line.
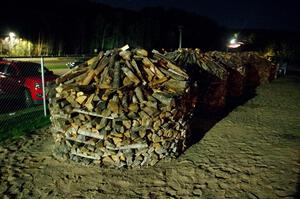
x=23, y=81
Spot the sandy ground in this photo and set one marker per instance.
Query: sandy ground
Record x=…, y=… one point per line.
x=254, y=152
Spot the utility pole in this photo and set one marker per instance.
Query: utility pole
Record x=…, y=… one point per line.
x=180, y=28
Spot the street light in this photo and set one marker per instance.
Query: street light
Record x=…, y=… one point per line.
x=234, y=43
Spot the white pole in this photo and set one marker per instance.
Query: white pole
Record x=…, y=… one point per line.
x=180, y=35
x=43, y=86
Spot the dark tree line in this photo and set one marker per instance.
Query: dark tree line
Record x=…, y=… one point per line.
x=80, y=26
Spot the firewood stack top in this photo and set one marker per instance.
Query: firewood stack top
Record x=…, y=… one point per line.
x=229, y=61
x=189, y=58
x=121, y=109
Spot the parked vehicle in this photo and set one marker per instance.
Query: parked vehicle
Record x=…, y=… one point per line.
x=75, y=63
x=23, y=81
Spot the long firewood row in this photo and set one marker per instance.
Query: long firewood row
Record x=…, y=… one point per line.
x=131, y=108
x=224, y=75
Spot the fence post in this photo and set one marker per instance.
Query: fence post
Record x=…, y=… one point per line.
x=43, y=85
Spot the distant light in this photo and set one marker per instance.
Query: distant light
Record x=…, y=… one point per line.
x=12, y=34
x=233, y=41
x=235, y=45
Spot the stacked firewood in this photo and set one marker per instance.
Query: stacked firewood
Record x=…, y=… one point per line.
x=247, y=70
x=236, y=68
x=260, y=66
x=211, y=76
x=129, y=108
x=122, y=108
x=223, y=75
x=188, y=58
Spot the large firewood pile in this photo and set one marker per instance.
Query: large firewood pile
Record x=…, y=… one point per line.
x=236, y=68
x=260, y=67
x=121, y=109
x=224, y=75
x=210, y=75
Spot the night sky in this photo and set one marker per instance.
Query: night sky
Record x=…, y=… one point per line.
x=266, y=14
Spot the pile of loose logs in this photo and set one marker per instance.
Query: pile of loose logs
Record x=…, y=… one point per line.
x=122, y=109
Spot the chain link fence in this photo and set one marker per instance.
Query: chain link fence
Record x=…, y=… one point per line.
x=22, y=108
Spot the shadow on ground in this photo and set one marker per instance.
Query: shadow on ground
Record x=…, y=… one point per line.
x=203, y=119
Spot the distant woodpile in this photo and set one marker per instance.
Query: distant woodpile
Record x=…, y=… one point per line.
x=132, y=108
x=223, y=75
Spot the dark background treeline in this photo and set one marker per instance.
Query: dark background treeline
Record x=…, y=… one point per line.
x=80, y=26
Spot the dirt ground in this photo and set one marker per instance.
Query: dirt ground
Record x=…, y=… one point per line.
x=254, y=152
